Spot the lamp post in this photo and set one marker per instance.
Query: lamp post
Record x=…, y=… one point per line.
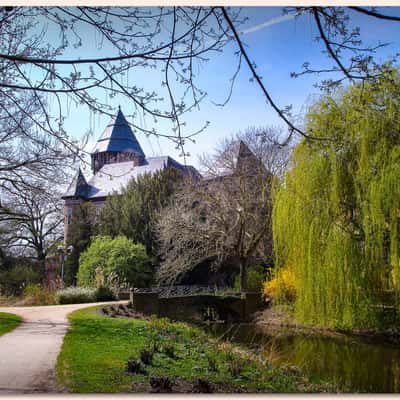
x=64, y=253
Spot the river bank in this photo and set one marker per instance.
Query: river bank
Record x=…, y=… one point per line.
x=101, y=354
x=274, y=318
x=354, y=361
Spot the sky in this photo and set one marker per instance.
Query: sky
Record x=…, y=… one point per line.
x=279, y=45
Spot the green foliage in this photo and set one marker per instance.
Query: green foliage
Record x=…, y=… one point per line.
x=8, y=322
x=20, y=273
x=120, y=256
x=80, y=232
x=75, y=295
x=104, y=293
x=96, y=349
x=5, y=260
x=134, y=212
x=235, y=365
x=255, y=277
x=336, y=216
x=39, y=295
x=282, y=287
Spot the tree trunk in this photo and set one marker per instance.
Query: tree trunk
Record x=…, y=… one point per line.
x=242, y=275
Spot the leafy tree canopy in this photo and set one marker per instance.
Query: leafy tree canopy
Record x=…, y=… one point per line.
x=336, y=216
x=133, y=213
x=80, y=233
x=121, y=256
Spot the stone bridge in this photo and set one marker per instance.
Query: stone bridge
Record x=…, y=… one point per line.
x=200, y=306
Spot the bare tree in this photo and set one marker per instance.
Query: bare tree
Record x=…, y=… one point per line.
x=171, y=42
x=262, y=141
x=31, y=219
x=352, y=60
x=27, y=154
x=226, y=216
x=33, y=169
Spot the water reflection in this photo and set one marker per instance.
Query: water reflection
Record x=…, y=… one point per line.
x=353, y=363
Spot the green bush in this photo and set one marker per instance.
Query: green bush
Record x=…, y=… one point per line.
x=104, y=293
x=75, y=295
x=39, y=295
x=14, y=280
x=255, y=277
x=128, y=260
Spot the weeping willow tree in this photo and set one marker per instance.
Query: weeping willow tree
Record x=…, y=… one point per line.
x=336, y=215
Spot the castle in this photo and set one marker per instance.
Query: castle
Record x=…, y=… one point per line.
x=116, y=158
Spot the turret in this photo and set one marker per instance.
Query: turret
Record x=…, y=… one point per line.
x=117, y=144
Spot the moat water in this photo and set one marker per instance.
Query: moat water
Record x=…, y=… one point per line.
x=355, y=364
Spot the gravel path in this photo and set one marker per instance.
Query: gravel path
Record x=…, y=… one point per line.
x=28, y=354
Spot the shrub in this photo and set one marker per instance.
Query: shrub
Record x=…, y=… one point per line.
x=75, y=295
x=40, y=296
x=14, y=280
x=255, y=277
x=128, y=260
x=135, y=367
x=146, y=356
x=282, y=288
x=113, y=282
x=104, y=293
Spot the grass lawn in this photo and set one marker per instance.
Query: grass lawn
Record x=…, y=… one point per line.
x=8, y=322
x=96, y=349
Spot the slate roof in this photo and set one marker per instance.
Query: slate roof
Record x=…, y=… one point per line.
x=248, y=161
x=118, y=137
x=113, y=177
x=78, y=187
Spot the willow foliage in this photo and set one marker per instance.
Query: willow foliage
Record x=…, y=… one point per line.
x=336, y=215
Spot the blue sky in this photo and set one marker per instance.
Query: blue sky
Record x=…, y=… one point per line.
x=278, y=46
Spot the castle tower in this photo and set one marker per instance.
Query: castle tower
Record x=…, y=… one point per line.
x=116, y=159
x=75, y=195
x=117, y=144
x=247, y=162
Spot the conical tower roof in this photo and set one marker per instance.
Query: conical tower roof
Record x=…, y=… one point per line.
x=78, y=187
x=247, y=161
x=118, y=137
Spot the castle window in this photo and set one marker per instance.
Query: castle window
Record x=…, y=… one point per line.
x=69, y=215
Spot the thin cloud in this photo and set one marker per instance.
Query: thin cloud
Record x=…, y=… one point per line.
x=270, y=22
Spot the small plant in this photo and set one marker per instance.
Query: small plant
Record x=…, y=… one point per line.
x=235, y=365
x=135, y=367
x=212, y=363
x=161, y=384
x=282, y=288
x=160, y=325
x=75, y=295
x=155, y=344
x=169, y=350
x=146, y=356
